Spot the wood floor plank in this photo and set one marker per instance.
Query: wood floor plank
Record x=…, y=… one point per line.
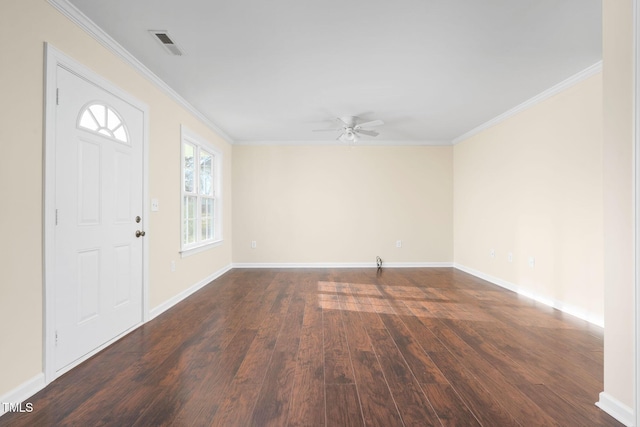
x=222, y=367
x=272, y=406
x=421, y=365
x=307, y=407
x=428, y=342
x=413, y=405
x=356, y=331
x=337, y=363
x=448, y=406
x=343, y=406
x=378, y=406
x=486, y=408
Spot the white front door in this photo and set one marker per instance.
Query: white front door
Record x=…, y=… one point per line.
x=98, y=201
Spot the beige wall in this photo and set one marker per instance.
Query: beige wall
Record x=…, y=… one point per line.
x=342, y=204
x=24, y=27
x=618, y=200
x=532, y=186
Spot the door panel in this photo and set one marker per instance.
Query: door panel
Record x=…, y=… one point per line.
x=88, y=284
x=89, y=176
x=122, y=178
x=98, y=192
x=123, y=276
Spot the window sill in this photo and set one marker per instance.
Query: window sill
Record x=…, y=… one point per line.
x=195, y=250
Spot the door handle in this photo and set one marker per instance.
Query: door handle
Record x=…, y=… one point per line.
x=140, y=233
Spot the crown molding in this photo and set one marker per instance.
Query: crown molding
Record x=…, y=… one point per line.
x=554, y=90
x=361, y=142
x=90, y=27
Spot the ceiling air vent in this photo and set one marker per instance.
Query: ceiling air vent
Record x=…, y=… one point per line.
x=163, y=38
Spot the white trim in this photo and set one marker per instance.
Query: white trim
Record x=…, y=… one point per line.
x=636, y=210
x=361, y=142
x=562, y=86
x=155, y=312
x=559, y=305
x=146, y=212
x=23, y=392
x=341, y=264
x=616, y=409
x=80, y=19
x=53, y=59
x=197, y=249
x=48, y=216
x=417, y=264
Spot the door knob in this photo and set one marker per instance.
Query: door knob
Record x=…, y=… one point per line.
x=140, y=233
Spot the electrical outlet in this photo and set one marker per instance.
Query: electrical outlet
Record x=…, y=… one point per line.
x=254, y=244
x=398, y=243
x=492, y=253
x=155, y=205
x=532, y=262
x=173, y=266
x=510, y=257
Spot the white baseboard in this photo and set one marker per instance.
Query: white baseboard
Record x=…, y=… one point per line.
x=559, y=305
x=22, y=392
x=340, y=264
x=616, y=409
x=417, y=264
x=155, y=312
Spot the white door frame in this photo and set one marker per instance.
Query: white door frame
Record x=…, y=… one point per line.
x=53, y=59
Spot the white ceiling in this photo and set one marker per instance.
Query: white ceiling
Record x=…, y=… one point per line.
x=432, y=70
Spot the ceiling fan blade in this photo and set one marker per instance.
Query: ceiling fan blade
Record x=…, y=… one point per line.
x=327, y=130
x=369, y=124
x=367, y=132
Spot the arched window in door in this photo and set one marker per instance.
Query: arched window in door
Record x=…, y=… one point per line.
x=104, y=120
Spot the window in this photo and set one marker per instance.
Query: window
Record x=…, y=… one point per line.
x=201, y=167
x=103, y=120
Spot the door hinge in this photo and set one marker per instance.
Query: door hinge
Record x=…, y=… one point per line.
x=56, y=337
x=57, y=96
x=56, y=216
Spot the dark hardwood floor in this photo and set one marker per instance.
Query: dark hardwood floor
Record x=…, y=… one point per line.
x=404, y=347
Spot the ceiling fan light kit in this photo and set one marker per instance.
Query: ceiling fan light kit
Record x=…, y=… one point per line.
x=348, y=136
x=352, y=130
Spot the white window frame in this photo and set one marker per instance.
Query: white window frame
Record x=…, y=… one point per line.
x=189, y=137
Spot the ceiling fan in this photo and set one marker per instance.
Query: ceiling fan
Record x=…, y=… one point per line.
x=352, y=130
